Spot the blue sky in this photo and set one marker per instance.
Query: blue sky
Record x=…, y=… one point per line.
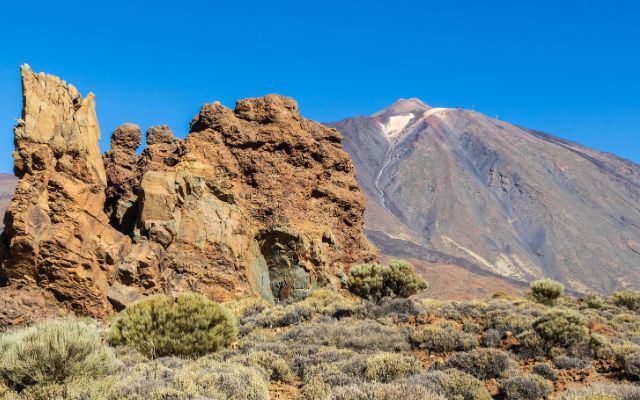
x=571, y=68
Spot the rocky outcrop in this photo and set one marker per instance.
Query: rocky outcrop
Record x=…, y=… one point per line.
x=58, y=236
x=256, y=199
x=7, y=187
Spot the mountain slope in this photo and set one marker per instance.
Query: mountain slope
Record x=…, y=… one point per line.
x=467, y=189
x=7, y=186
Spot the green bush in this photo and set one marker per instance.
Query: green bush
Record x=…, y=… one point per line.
x=53, y=352
x=315, y=389
x=481, y=363
x=562, y=327
x=594, y=301
x=439, y=339
x=386, y=367
x=375, y=281
x=627, y=298
x=188, y=325
x=547, y=291
x=527, y=387
x=453, y=384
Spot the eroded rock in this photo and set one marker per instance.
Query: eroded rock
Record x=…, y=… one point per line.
x=254, y=200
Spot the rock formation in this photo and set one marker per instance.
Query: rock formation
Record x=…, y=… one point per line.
x=254, y=200
x=7, y=187
x=455, y=187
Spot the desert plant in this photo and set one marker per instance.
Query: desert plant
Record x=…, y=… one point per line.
x=491, y=338
x=627, y=298
x=315, y=389
x=350, y=334
x=481, y=363
x=188, y=325
x=214, y=380
x=632, y=364
x=526, y=387
x=545, y=370
x=547, y=291
x=375, y=281
x=594, y=301
x=453, y=384
x=562, y=327
x=603, y=392
x=53, y=352
x=386, y=367
x=439, y=339
x=565, y=362
x=275, y=366
x=508, y=321
x=384, y=391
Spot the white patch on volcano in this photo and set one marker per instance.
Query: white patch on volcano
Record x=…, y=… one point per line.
x=433, y=111
x=396, y=124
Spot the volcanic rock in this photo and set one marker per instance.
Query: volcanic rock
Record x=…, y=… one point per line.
x=57, y=234
x=254, y=200
x=7, y=187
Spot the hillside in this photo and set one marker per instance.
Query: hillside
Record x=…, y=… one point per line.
x=455, y=187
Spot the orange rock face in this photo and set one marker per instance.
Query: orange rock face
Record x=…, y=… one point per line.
x=254, y=200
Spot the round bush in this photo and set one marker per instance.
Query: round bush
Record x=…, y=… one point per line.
x=547, y=291
x=627, y=298
x=545, y=370
x=440, y=340
x=53, y=352
x=563, y=327
x=386, y=367
x=453, y=384
x=375, y=281
x=632, y=364
x=481, y=363
x=189, y=325
x=528, y=387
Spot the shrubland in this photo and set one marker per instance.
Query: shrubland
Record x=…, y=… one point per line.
x=334, y=345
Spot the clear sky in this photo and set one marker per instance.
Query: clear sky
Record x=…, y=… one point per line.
x=571, y=68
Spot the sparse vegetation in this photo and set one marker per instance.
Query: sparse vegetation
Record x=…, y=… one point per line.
x=547, y=291
x=562, y=327
x=627, y=298
x=387, y=367
x=526, y=387
x=384, y=391
x=188, y=325
x=331, y=346
x=438, y=339
x=376, y=281
x=481, y=363
x=453, y=384
x=53, y=353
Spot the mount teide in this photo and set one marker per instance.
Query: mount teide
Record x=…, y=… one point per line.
x=455, y=187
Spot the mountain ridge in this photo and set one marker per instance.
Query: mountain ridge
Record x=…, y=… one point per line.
x=498, y=195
